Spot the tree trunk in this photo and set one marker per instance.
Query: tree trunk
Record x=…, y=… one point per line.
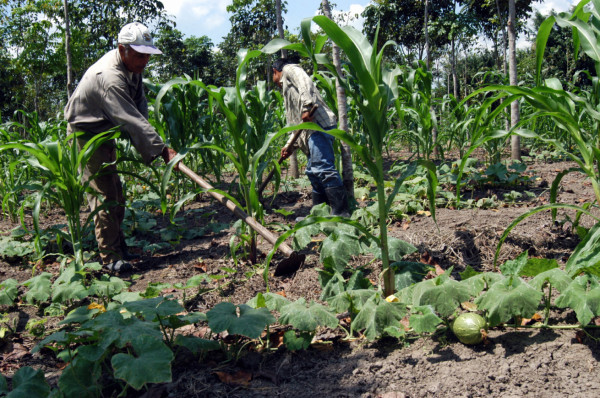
x=68, y=51
x=280, y=26
x=504, y=58
x=515, y=143
x=504, y=44
x=347, y=173
x=428, y=63
x=426, y=28
x=453, y=65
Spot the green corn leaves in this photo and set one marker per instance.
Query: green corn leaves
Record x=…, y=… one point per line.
x=59, y=162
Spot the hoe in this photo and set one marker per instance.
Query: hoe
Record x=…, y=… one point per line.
x=287, y=266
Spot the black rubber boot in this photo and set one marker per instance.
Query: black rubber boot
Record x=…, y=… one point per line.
x=318, y=198
x=118, y=266
x=125, y=254
x=338, y=200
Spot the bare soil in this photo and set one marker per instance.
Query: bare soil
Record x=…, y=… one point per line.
x=514, y=363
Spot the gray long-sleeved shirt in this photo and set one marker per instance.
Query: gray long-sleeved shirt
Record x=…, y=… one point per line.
x=109, y=96
x=300, y=94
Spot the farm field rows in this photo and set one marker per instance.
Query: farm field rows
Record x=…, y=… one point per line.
x=466, y=261
x=513, y=362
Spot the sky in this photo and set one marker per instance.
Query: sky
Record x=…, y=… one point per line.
x=210, y=17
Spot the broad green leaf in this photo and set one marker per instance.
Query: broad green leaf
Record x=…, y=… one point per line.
x=79, y=315
x=196, y=344
x=416, y=291
x=406, y=295
x=357, y=281
x=296, y=343
x=39, y=288
x=29, y=383
x=536, y=266
x=75, y=290
x=424, y=320
x=514, y=267
x=332, y=284
x=350, y=300
x=3, y=385
x=337, y=249
x=399, y=249
x=467, y=273
x=194, y=281
x=273, y=301
x=306, y=318
x=377, y=315
x=482, y=281
x=507, y=299
x=303, y=237
x=445, y=295
x=152, y=308
x=555, y=276
x=125, y=297
x=250, y=322
x=94, y=352
x=395, y=331
x=107, y=286
x=80, y=379
x=8, y=291
x=408, y=273
x=60, y=337
x=584, y=300
x=125, y=330
x=152, y=363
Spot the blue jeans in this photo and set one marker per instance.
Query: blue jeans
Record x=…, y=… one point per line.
x=320, y=169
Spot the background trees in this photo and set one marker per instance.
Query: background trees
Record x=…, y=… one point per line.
x=33, y=56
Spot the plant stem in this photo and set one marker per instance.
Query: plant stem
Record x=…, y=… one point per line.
x=387, y=275
x=547, y=310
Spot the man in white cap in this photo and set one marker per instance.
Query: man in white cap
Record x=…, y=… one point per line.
x=111, y=94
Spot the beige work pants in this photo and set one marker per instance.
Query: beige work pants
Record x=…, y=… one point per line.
x=107, y=221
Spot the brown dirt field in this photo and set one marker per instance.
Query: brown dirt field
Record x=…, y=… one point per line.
x=514, y=363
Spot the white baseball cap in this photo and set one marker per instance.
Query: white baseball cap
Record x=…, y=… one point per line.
x=138, y=37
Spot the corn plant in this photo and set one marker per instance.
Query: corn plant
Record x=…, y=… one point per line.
x=186, y=115
x=59, y=163
x=248, y=117
x=374, y=93
x=575, y=114
x=414, y=107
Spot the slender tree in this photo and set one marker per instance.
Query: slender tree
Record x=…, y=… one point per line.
x=68, y=51
x=515, y=142
x=347, y=173
x=280, y=26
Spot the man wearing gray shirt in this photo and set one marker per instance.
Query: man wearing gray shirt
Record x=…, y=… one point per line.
x=111, y=94
x=300, y=95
